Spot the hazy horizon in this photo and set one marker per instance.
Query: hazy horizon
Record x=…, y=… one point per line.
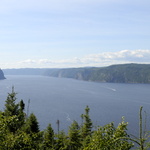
x=78, y=67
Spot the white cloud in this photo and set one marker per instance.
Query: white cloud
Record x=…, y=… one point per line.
x=29, y=61
x=97, y=60
x=124, y=56
x=101, y=59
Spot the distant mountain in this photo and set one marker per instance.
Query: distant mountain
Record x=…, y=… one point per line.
x=27, y=71
x=125, y=73
x=2, y=75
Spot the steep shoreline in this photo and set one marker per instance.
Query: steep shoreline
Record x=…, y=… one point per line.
x=123, y=73
x=2, y=77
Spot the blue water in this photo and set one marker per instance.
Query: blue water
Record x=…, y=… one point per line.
x=53, y=99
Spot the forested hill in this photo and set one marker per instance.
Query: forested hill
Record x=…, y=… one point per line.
x=2, y=75
x=125, y=73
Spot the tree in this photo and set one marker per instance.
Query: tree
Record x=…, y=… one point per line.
x=87, y=123
x=31, y=128
x=48, y=138
x=13, y=109
x=86, y=127
x=74, y=136
x=10, y=140
x=21, y=114
x=61, y=141
x=32, y=125
x=110, y=138
x=143, y=134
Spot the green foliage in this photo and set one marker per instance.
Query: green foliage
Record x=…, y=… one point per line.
x=86, y=127
x=32, y=125
x=48, y=138
x=124, y=73
x=61, y=141
x=110, y=138
x=10, y=107
x=19, y=132
x=143, y=134
x=87, y=123
x=14, y=110
x=74, y=136
x=10, y=140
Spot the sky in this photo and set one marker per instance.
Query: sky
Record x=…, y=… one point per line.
x=73, y=33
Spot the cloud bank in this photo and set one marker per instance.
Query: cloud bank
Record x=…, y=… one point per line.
x=95, y=60
x=91, y=60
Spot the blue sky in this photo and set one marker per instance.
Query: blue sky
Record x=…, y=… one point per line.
x=73, y=33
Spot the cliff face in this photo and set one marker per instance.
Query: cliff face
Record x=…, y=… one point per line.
x=2, y=75
x=126, y=73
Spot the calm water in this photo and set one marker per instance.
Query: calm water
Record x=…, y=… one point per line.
x=65, y=99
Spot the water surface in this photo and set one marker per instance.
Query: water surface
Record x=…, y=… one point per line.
x=53, y=99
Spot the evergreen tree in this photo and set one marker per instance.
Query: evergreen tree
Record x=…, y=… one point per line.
x=13, y=109
x=48, y=141
x=32, y=128
x=22, y=105
x=32, y=125
x=61, y=141
x=74, y=136
x=21, y=115
x=86, y=128
x=87, y=123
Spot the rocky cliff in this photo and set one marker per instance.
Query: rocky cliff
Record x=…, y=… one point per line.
x=125, y=73
x=2, y=75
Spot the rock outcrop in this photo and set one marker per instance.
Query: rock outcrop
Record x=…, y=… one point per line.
x=2, y=75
